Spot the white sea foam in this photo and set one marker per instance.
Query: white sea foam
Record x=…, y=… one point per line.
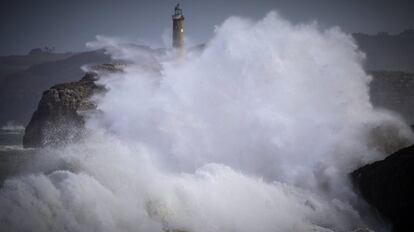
x=12, y=126
x=256, y=133
x=13, y=148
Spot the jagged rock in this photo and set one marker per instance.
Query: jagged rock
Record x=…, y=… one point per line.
x=59, y=117
x=388, y=185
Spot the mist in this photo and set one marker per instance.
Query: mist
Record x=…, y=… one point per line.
x=257, y=132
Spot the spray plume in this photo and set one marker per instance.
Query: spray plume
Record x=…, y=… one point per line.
x=257, y=132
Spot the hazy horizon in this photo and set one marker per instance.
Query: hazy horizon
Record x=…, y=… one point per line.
x=68, y=26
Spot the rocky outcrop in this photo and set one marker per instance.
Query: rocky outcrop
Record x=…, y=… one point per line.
x=60, y=115
x=388, y=185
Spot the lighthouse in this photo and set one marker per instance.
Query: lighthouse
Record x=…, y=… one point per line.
x=178, y=28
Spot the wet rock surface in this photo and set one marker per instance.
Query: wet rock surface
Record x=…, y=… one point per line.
x=388, y=185
x=60, y=115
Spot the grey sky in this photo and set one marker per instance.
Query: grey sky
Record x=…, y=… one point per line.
x=68, y=25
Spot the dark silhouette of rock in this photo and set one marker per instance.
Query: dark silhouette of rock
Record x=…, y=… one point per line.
x=57, y=118
x=21, y=91
x=17, y=63
x=60, y=115
x=388, y=185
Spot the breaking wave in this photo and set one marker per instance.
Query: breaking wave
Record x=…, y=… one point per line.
x=257, y=132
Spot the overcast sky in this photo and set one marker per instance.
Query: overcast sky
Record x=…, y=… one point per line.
x=69, y=24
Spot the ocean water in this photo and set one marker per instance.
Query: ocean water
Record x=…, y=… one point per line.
x=11, y=136
x=12, y=153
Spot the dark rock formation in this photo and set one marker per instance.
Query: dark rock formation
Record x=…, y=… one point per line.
x=60, y=115
x=388, y=185
x=17, y=63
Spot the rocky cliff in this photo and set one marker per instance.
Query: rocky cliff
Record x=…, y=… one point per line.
x=60, y=115
x=388, y=185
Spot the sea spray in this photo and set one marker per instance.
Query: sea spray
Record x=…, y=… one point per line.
x=257, y=132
